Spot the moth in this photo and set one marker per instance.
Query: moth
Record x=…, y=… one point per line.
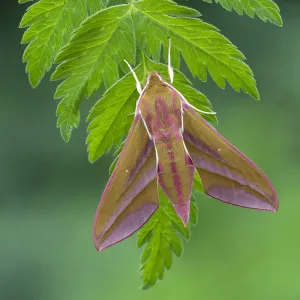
x=167, y=143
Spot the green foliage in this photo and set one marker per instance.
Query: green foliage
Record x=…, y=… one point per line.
x=90, y=40
x=90, y=57
x=203, y=48
x=162, y=237
x=266, y=10
x=50, y=26
x=90, y=43
x=109, y=116
x=95, y=6
x=108, y=119
x=23, y=1
x=116, y=157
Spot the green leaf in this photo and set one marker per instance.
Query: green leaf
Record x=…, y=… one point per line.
x=109, y=117
x=94, y=6
x=23, y=1
x=266, y=10
x=116, y=154
x=201, y=45
x=194, y=208
x=50, y=25
x=146, y=234
x=95, y=49
x=161, y=235
x=198, y=183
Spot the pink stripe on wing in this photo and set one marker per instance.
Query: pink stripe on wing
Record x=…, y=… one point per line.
x=176, y=177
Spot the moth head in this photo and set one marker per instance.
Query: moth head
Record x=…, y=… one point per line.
x=154, y=78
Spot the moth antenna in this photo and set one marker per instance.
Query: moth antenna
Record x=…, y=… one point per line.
x=170, y=69
x=204, y=112
x=138, y=84
x=130, y=114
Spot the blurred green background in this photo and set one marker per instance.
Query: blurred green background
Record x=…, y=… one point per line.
x=49, y=191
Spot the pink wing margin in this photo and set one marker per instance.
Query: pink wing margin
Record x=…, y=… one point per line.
x=130, y=196
x=226, y=173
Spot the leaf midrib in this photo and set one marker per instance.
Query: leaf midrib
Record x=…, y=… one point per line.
x=200, y=49
x=54, y=26
x=113, y=121
x=82, y=88
x=266, y=9
x=45, y=11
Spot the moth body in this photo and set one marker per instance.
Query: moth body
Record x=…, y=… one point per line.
x=161, y=110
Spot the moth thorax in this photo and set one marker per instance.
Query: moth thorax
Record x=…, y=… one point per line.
x=154, y=78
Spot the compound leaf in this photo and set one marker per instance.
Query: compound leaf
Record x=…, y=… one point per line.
x=95, y=49
x=162, y=238
x=266, y=10
x=50, y=25
x=201, y=45
x=108, y=117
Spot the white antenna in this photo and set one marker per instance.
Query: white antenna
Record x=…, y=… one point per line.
x=138, y=84
x=204, y=112
x=170, y=69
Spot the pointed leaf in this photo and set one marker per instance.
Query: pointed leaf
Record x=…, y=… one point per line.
x=50, y=25
x=116, y=154
x=183, y=231
x=266, y=10
x=92, y=55
x=145, y=235
x=201, y=45
x=198, y=183
x=165, y=226
x=194, y=209
x=23, y=1
x=108, y=117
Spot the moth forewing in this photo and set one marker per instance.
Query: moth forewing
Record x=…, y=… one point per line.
x=226, y=173
x=130, y=196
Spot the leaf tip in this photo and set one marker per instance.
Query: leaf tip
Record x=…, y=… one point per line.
x=34, y=81
x=66, y=136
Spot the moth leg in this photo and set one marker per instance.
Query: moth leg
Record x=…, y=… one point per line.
x=170, y=68
x=138, y=84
